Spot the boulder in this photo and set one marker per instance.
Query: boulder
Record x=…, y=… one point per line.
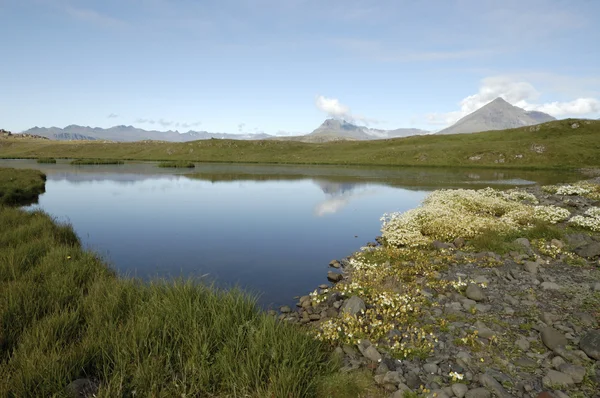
x=555, y=379
x=590, y=344
x=353, y=306
x=474, y=292
x=334, y=276
x=590, y=250
x=552, y=338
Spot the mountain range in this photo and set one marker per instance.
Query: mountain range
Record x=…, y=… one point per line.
x=496, y=115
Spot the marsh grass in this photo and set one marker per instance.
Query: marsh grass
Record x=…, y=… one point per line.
x=177, y=165
x=79, y=162
x=46, y=160
x=20, y=187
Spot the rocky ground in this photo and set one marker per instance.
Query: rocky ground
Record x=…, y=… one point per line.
x=524, y=323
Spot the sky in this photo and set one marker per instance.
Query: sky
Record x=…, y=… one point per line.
x=284, y=66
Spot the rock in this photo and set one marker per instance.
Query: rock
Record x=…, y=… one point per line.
x=372, y=354
x=550, y=286
x=557, y=243
x=335, y=264
x=548, y=318
x=459, y=242
x=430, y=368
x=285, y=309
x=555, y=379
x=523, y=242
x=441, y=245
x=468, y=304
x=525, y=362
x=82, y=388
x=483, y=330
x=437, y=394
x=589, y=250
x=557, y=362
x=314, y=317
x=596, y=287
x=353, y=306
x=531, y=267
x=552, y=338
x=523, y=343
x=323, y=286
x=334, y=276
x=459, y=390
x=474, y=292
x=590, y=344
x=577, y=373
x=483, y=308
x=394, y=377
x=413, y=380
x=478, y=393
x=489, y=382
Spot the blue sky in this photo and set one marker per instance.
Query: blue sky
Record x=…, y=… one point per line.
x=283, y=66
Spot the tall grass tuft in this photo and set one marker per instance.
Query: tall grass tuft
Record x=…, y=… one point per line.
x=177, y=164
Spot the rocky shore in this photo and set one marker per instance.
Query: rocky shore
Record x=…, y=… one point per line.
x=444, y=318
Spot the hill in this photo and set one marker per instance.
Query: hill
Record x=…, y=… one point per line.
x=568, y=143
x=497, y=115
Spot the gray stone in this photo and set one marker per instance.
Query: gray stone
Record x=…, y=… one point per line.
x=523, y=343
x=550, y=286
x=372, y=354
x=483, y=308
x=413, y=380
x=531, y=267
x=437, y=394
x=523, y=242
x=468, y=304
x=334, y=276
x=478, y=393
x=483, y=330
x=459, y=242
x=430, y=368
x=589, y=250
x=474, y=292
x=596, y=287
x=590, y=344
x=393, y=378
x=353, y=306
x=555, y=379
x=402, y=388
x=525, y=362
x=489, y=382
x=335, y=264
x=552, y=338
x=576, y=372
x=441, y=245
x=557, y=362
x=285, y=309
x=82, y=388
x=459, y=390
x=548, y=318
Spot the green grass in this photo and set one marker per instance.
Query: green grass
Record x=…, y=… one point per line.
x=177, y=165
x=80, y=162
x=563, y=147
x=20, y=187
x=502, y=243
x=46, y=160
x=65, y=315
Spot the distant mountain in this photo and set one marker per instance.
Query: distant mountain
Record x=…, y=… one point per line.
x=341, y=130
x=130, y=134
x=497, y=115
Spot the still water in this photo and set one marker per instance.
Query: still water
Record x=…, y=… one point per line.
x=271, y=230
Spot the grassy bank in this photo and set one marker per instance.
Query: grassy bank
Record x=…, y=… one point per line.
x=64, y=316
x=177, y=165
x=79, y=162
x=46, y=160
x=551, y=145
x=20, y=187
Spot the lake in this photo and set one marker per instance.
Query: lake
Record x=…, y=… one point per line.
x=270, y=229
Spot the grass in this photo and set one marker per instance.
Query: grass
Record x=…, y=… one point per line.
x=46, y=160
x=20, y=187
x=558, y=146
x=65, y=315
x=177, y=165
x=502, y=243
x=79, y=162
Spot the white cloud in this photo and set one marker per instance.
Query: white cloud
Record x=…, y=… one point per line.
x=335, y=109
x=519, y=93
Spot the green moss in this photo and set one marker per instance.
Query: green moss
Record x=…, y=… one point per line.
x=79, y=162
x=20, y=187
x=46, y=160
x=177, y=165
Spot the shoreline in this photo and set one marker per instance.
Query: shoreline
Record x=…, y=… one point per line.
x=463, y=335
